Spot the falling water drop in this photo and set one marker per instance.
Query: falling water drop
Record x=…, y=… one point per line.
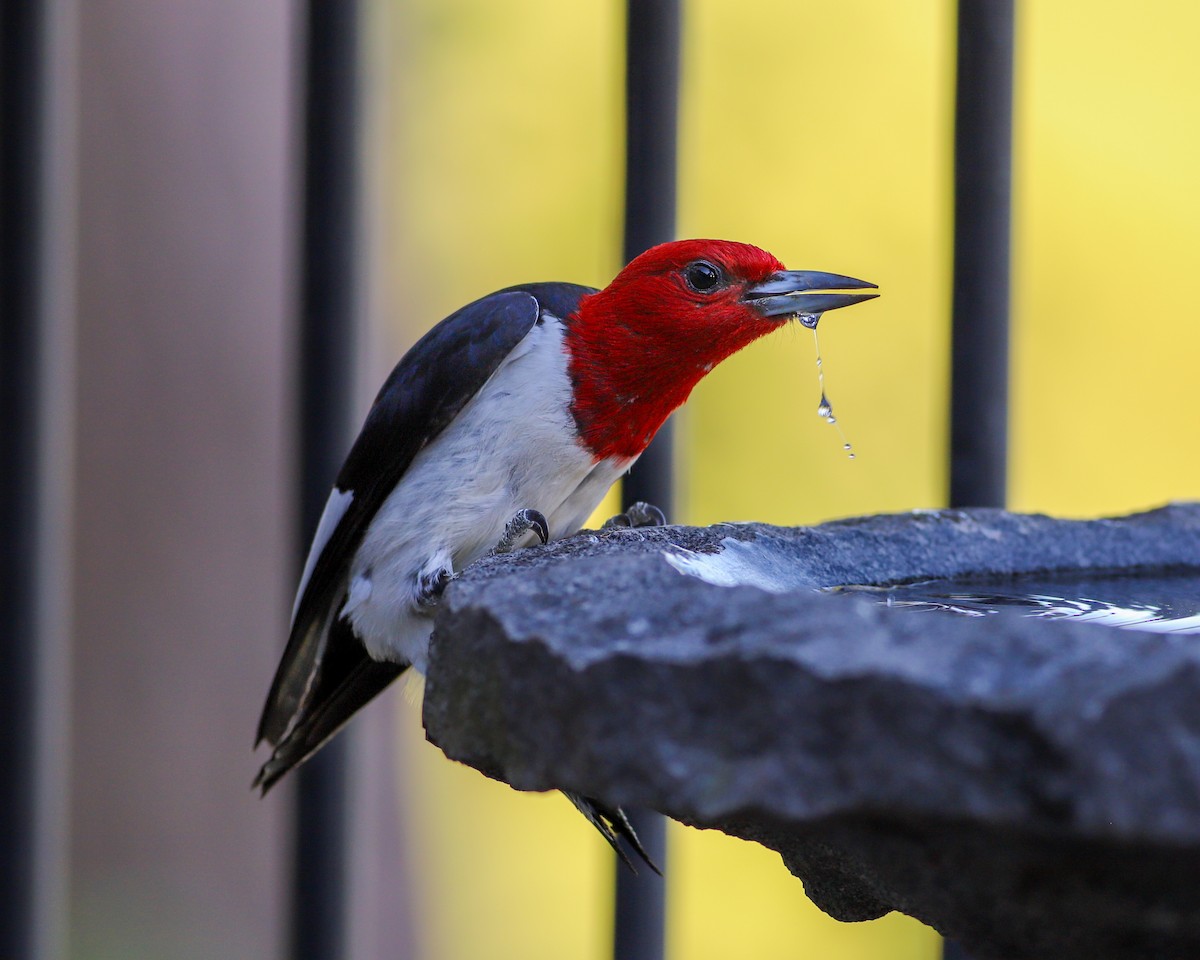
x=825, y=408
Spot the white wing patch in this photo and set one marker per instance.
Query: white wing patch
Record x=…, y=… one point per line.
x=335, y=508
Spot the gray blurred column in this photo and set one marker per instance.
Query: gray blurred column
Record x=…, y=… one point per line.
x=184, y=499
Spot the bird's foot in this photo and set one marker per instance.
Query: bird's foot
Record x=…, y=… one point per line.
x=431, y=586
x=639, y=514
x=522, y=522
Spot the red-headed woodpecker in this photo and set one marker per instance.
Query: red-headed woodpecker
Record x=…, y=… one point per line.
x=506, y=422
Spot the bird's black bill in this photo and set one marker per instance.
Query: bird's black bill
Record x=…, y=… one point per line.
x=805, y=293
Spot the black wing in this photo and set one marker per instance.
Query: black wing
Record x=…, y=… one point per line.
x=325, y=674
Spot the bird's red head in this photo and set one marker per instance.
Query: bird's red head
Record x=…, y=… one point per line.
x=639, y=346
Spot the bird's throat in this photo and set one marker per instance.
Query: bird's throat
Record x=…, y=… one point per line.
x=618, y=415
x=629, y=373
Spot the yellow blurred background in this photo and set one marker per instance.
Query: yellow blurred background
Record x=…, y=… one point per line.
x=823, y=133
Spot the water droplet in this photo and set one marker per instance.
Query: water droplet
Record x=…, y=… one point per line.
x=809, y=320
x=825, y=408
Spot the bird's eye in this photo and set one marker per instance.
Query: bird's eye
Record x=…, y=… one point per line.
x=702, y=276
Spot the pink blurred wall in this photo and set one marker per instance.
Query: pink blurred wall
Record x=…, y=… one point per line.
x=183, y=510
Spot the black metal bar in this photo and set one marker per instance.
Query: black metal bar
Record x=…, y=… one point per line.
x=651, y=124
x=328, y=311
x=33, y=478
x=982, y=219
x=640, y=929
x=982, y=189
x=20, y=34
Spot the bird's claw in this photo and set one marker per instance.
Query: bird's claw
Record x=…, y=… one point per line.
x=639, y=514
x=431, y=586
x=522, y=522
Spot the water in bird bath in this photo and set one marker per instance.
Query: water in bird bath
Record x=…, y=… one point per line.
x=1155, y=602
x=824, y=408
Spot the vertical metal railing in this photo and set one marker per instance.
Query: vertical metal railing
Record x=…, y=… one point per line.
x=651, y=123
x=982, y=218
x=982, y=203
x=329, y=294
x=20, y=121
x=35, y=292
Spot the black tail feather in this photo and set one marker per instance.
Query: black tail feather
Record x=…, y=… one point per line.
x=346, y=679
x=361, y=685
x=613, y=825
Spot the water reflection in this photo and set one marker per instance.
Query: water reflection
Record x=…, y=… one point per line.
x=1154, y=603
